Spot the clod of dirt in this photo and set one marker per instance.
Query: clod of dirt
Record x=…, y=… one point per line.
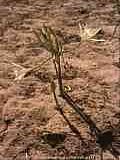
x=105, y=139
x=53, y=139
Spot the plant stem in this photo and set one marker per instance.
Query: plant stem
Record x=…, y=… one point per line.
x=72, y=127
x=69, y=100
x=57, y=65
x=84, y=116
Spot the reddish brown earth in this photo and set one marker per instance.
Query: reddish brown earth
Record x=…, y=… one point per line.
x=28, y=105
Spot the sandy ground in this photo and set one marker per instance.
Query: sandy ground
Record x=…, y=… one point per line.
x=28, y=106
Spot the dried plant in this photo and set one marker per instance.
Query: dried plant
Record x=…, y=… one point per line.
x=48, y=39
x=100, y=135
x=89, y=34
x=50, y=42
